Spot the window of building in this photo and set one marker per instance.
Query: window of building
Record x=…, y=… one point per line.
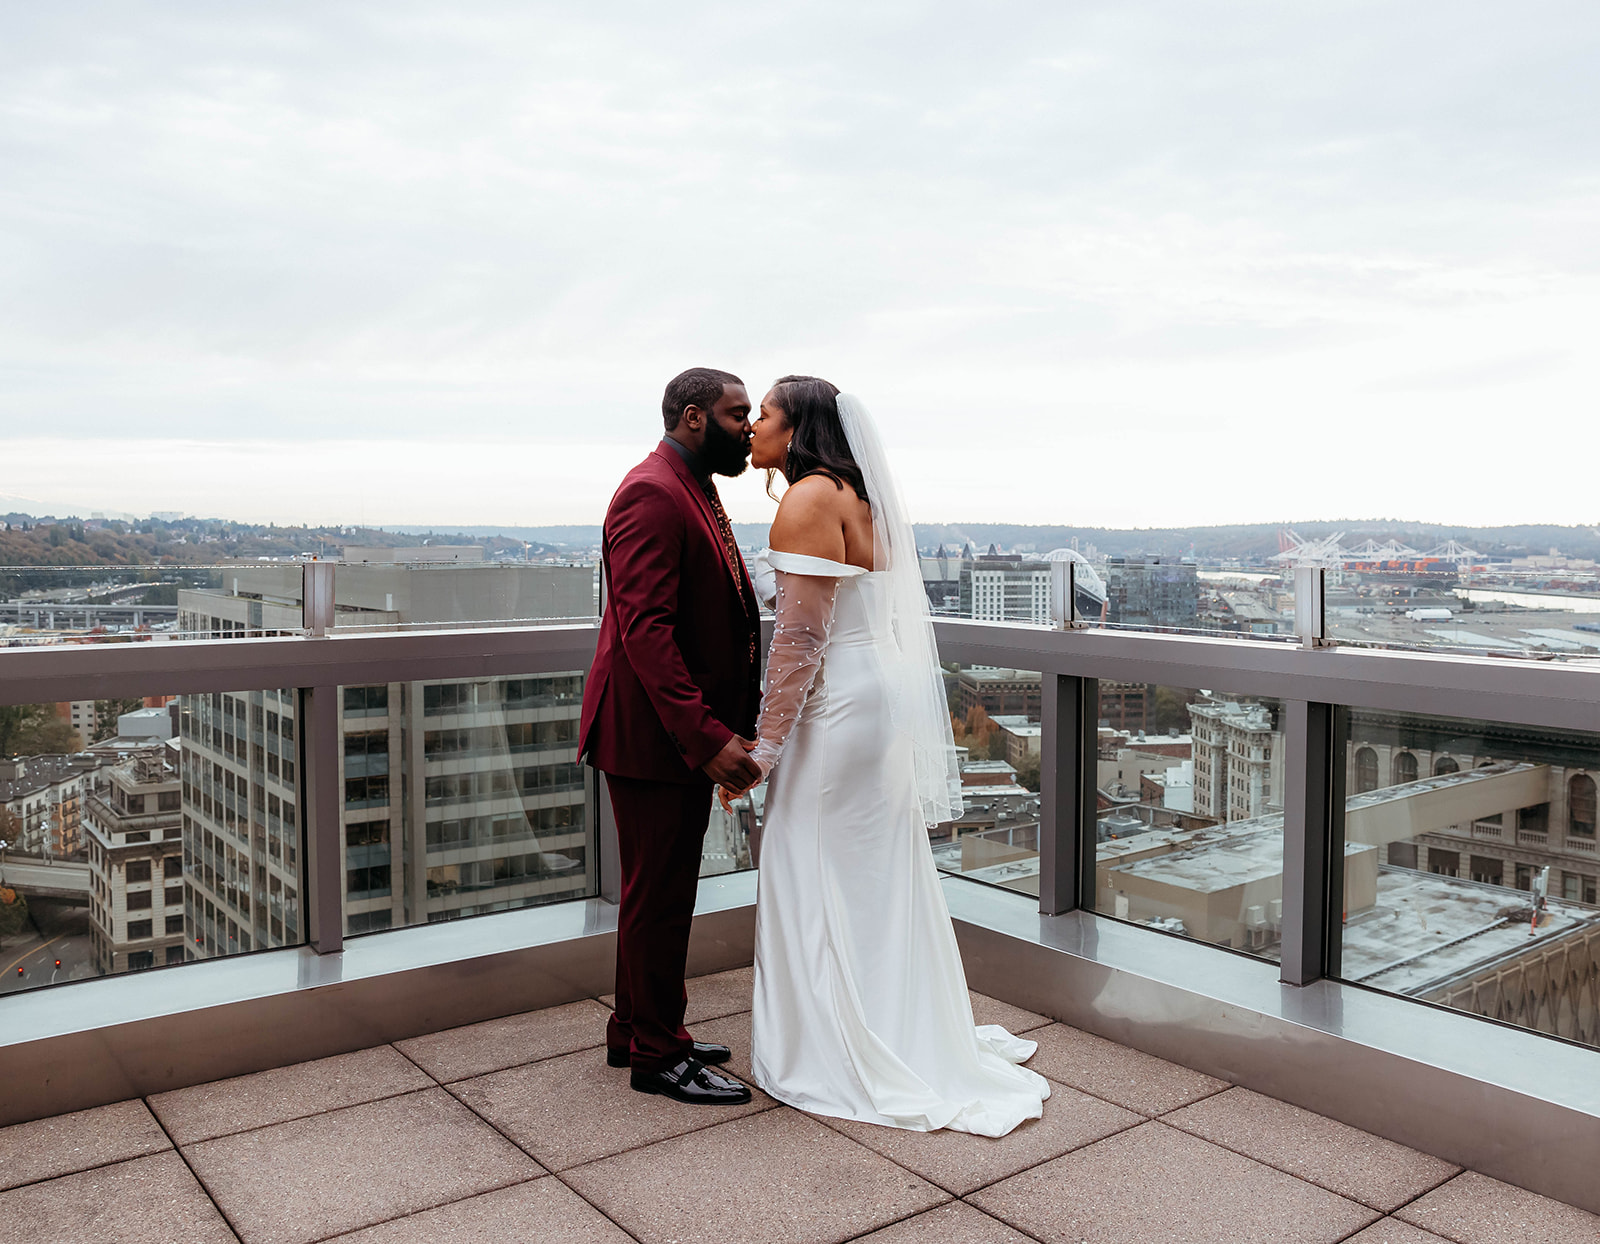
x=1578, y=888
x=366, y=833
x=139, y=900
x=1444, y=863
x=369, y=882
x=1536, y=820
x=138, y=870
x=169, y=801
x=364, y=792
x=1366, y=770
x=138, y=930
x=365, y=701
x=172, y=866
x=175, y=924
x=175, y=954
x=1403, y=854
x=173, y=896
x=1524, y=876
x=1443, y=765
x=1581, y=805
x=1403, y=768
x=1487, y=869
x=368, y=921
x=141, y=959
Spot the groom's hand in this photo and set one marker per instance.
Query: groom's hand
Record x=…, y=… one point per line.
x=732, y=766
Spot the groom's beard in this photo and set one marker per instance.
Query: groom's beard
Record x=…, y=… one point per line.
x=724, y=453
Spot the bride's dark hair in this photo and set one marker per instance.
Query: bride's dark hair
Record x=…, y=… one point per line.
x=818, y=445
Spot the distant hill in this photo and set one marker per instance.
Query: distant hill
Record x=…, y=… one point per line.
x=1243, y=541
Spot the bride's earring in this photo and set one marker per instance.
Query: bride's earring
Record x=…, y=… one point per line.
x=786, y=449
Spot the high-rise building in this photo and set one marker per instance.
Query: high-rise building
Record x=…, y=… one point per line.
x=459, y=796
x=1151, y=591
x=133, y=827
x=1238, y=759
x=1005, y=589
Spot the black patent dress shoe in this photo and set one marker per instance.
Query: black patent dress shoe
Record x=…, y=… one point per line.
x=703, y=1051
x=693, y=1082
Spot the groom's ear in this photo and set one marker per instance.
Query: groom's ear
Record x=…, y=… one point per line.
x=694, y=418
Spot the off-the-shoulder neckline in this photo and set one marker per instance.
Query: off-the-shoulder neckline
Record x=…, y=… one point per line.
x=805, y=563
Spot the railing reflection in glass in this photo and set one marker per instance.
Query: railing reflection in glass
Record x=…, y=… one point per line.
x=1481, y=890
x=462, y=797
x=994, y=715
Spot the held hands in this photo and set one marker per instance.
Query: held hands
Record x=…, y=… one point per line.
x=731, y=768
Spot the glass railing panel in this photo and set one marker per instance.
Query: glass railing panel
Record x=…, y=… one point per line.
x=459, y=589
x=1189, y=827
x=994, y=714
x=88, y=603
x=142, y=833
x=1465, y=606
x=1472, y=867
x=462, y=797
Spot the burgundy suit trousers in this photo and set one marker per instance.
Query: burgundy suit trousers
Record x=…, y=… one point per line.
x=661, y=828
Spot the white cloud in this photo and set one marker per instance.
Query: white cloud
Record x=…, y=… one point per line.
x=1090, y=264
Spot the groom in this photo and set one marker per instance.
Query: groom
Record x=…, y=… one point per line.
x=667, y=712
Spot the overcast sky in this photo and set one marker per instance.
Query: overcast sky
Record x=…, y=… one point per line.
x=1123, y=264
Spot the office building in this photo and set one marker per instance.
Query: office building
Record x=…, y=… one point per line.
x=458, y=796
x=133, y=831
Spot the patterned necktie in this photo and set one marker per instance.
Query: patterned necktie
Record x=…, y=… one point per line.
x=730, y=546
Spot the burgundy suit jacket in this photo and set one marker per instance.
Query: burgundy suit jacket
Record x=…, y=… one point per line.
x=673, y=677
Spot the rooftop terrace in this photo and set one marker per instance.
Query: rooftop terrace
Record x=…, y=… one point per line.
x=515, y=1129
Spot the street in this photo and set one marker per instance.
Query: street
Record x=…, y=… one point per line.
x=58, y=931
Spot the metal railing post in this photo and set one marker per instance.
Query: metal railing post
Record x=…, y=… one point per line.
x=316, y=598
x=1313, y=842
x=1067, y=762
x=321, y=801
x=1310, y=611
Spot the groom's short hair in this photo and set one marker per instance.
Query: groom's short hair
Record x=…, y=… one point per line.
x=699, y=386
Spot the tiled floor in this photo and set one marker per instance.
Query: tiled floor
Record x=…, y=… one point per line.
x=516, y=1130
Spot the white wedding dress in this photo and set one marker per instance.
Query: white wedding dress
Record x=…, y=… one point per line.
x=861, y=1006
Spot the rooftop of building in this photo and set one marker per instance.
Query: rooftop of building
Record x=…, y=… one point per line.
x=37, y=774
x=515, y=1128
x=1427, y=929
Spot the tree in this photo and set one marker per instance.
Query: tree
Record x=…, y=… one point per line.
x=13, y=913
x=106, y=713
x=34, y=730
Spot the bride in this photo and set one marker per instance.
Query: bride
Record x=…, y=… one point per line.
x=861, y=1006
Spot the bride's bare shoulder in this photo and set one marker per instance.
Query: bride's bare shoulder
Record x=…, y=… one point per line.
x=811, y=518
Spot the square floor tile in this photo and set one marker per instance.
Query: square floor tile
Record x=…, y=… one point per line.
x=499, y=1043
x=1013, y=1019
x=1342, y=1159
x=960, y=1162
x=774, y=1176
x=75, y=1142
x=1475, y=1209
x=955, y=1223
x=284, y=1093
x=1157, y=1183
x=350, y=1168
x=150, y=1200
x=711, y=997
x=575, y=1109
x=1128, y=1077
x=1393, y=1231
x=544, y=1209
